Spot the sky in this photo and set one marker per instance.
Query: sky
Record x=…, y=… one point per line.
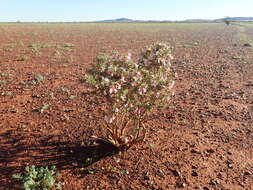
x=93, y=10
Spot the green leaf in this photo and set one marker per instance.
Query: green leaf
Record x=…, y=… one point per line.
x=17, y=176
x=58, y=186
x=37, y=178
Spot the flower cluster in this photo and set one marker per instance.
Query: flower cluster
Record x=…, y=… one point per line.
x=131, y=85
x=134, y=88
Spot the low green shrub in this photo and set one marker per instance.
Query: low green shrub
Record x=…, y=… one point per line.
x=38, y=178
x=133, y=89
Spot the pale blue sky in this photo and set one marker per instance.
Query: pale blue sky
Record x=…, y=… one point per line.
x=90, y=10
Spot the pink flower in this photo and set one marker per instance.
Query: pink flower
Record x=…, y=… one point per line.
x=172, y=84
x=113, y=90
x=129, y=55
x=138, y=76
x=123, y=98
x=109, y=119
x=106, y=80
x=167, y=69
x=160, y=60
x=136, y=65
x=118, y=86
x=154, y=83
x=165, y=77
x=158, y=95
x=145, y=61
x=123, y=79
x=142, y=90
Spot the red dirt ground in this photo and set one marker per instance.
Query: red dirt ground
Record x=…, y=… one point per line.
x=203, y=140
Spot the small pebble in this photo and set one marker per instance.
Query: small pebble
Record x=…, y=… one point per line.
x=146, y=177
x=210, y=151
x=195, y=151
x=176, y=173
x=181, y=185
x=247, y=45
x=214, y=182
x=248, y=173
x=194, y=173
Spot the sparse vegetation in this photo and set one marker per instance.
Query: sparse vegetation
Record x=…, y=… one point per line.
x=6, y=93
x=38, y=79
x=3, y=82
x=15, y=44
x=36, y=178
x=44, y=107
x=36, y=46
x=72, y=97
x=68, y=45
x=48, y=117
x=22, y=58
x=5, y=74
x=64, y=89
x=52, y=96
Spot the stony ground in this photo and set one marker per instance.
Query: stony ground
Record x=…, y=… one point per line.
x=203, y=140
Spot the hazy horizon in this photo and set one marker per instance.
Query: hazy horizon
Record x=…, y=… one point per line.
x=97, y=10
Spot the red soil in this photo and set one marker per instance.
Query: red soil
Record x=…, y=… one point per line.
x=203, y=140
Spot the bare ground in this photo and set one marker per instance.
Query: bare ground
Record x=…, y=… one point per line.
x=203, y=140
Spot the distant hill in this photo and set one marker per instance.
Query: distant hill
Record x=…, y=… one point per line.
x=197, y=20
x=118, y=20
x=238, y=19
x=188, y=20
x=128, y=20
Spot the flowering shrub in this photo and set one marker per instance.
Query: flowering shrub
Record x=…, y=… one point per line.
x=133, y=89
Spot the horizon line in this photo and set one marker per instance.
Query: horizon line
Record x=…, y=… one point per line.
x=129, y=20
